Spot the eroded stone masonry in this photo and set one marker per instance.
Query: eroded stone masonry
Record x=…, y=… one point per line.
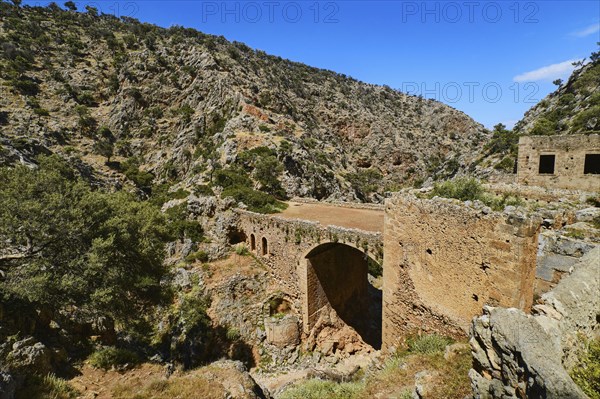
x=569, y=162
x=319, y=268
x=444, y=260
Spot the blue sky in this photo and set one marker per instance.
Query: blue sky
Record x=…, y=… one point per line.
x=491, y=59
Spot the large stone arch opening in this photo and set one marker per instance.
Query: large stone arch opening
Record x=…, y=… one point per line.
x=337, y=276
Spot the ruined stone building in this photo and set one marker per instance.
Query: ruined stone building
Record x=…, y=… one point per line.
x=569, y=162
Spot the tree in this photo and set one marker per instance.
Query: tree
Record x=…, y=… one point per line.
x=557, y=82
x=93, y=11
x=86, y=121
x=104, y=147
x=66, y=248
x=267, y=171
x=595, y=56
x=17, y=2
x=71, y=6
x=503, y=141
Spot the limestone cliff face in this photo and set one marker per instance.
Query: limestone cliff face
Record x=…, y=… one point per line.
x=185, y=103
x=518, y=355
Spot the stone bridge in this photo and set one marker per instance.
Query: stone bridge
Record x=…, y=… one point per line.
x=319, y=265
x=442, y=261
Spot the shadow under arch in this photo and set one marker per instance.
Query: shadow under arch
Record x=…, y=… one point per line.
x=337, y=276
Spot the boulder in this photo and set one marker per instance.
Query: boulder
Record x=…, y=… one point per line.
x=423, y=383
x=31, y=357
x=587, y=214
x=236, y=381
x=282, y=332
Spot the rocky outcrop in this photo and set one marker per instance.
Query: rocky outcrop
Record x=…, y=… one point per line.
x=528, y=356
x=20, y=359
x=185, y=103
x=8, y=385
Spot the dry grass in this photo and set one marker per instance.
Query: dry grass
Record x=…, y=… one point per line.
x=450, y=382
x=49, y=387
x=397, y=378
x=189, y=386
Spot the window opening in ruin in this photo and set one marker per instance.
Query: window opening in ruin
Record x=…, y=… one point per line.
x=547, y=164
x=252, y=242
x=591, y=165
x=265, y=249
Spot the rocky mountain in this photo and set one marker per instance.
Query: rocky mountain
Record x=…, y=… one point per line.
x=574, y=108
x=182, y=109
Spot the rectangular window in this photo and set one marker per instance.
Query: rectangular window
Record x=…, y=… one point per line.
x=592, y=164
x=547, y=164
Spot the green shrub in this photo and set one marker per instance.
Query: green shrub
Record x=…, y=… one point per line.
x=232, y=334
x=203, y=190
x=190, y=338
x=108, y=358
x=498, y=203
x=428, y=344
x=26, y=86
x=241, y=249
x=594, y=200
x=231, y=177
x=200, y=256
x=182, y=227
x=587, y=373
x=461, y=188
x=267, y=169
x=365, y=181
x=544, y=127
x=41, y=111
x=131, y=169
x=587, y=121
x=86, y=98
x=596, y=222
x=256, y=201
x=319, y=389
x=375, y=269
x=179, y=194
x=86, y=121
x=507, y=164
x=186, y=112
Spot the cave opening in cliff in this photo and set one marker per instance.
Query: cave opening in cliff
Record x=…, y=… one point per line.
x=338, y=277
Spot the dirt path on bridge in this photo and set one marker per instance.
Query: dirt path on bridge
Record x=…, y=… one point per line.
x=331, y=215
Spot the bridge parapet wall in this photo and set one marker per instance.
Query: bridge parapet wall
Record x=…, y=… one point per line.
x=288, y=241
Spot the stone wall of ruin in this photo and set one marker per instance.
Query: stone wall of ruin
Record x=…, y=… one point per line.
x=569, y=151
x=445, y=260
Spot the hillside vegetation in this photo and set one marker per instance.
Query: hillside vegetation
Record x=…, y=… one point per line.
x=573, y=108
x=137, y=105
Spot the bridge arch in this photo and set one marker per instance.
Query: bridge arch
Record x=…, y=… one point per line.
x=336, y=276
